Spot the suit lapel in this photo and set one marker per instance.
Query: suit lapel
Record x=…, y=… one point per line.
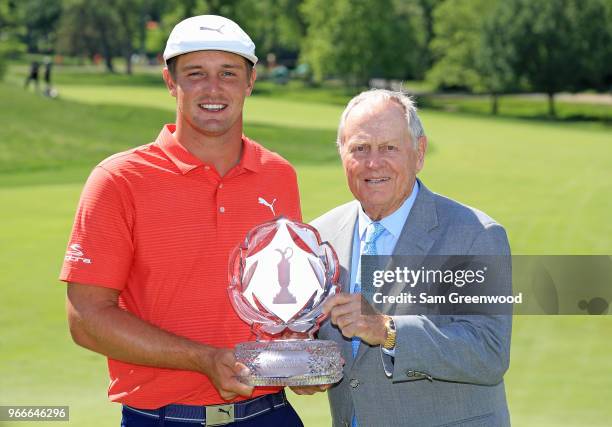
x=415, y=238
x=342, y=241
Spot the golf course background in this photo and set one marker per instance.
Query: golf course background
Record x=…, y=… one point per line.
x=548, y=182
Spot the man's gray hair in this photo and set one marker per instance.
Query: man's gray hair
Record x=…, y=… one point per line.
x=414, y=126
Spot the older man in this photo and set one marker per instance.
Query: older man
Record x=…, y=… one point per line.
x=407, y=370
x=147, y=258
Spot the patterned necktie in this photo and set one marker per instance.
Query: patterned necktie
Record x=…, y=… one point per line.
x=374, y=231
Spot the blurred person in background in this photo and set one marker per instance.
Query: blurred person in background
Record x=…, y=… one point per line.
x=33, y=76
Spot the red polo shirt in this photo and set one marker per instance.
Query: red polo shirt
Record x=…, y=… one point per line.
x=159, y=225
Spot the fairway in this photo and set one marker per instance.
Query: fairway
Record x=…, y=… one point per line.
x=549, y=184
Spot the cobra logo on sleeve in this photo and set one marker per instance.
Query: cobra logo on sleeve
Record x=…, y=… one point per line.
x=75, y=254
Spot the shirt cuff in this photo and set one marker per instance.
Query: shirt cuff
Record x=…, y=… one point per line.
x=388, y=360
x=390, y=352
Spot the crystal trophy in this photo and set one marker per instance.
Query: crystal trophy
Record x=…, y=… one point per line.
x=280, y=276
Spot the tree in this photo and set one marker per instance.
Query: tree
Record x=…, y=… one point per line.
x=276, y=26
x=85, y=30
x=360, y=39
x=455, y=48
x=131, y=15
x=594, y=44
x=412, y=29
x=469, y=51
x=11, y=32
x=107, y=27
x=428, y=7
x=41, y=20
x=538, y=45
x=557, y=45
x=495, y=59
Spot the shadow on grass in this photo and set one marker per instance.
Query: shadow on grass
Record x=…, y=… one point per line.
x=44, y=137
x=302, y=92
x=67, y=76
x=523, y=109
x=152, y=77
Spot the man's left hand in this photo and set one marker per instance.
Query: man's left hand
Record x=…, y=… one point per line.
x=356, y=318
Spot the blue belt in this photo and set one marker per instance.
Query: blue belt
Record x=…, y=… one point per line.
x=216, y=415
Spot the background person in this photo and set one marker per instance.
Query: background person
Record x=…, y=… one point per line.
x=33, y=75
x=49, y=91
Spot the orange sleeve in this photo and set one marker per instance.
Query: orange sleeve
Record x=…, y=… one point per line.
x=100, y=250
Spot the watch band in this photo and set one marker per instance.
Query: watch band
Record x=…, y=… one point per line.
x=389, y=343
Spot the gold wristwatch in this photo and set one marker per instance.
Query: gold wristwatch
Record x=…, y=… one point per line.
x=389, y=343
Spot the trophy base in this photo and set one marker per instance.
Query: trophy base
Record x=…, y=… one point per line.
x=290, y=362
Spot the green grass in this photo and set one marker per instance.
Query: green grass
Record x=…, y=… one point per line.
x=73, y=135
x=92, y=74
x=523, y=106
x=549, y=183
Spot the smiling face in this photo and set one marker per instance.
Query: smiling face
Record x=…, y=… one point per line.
x=210, y=88
x=378, y=156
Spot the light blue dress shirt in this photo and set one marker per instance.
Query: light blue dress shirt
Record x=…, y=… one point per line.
x=385, y=244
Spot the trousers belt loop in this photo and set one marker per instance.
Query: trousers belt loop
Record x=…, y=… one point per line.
x=162, y=416
x=273, y=398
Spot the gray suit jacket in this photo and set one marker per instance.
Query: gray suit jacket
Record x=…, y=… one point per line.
x=447, y=370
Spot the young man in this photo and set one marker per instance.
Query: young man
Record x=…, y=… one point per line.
x=148, y=256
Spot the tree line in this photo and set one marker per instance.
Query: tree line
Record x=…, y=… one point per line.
x=481, y=46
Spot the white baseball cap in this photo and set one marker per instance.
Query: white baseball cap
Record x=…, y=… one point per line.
x=209, y=32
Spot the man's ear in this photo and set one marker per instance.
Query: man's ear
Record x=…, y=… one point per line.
x=252, y=82
x=421, y=150
x=170, y=84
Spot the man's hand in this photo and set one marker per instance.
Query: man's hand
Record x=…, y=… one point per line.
x=94, y=316
x=356, y=318
x=222, y=370
x=310, y=389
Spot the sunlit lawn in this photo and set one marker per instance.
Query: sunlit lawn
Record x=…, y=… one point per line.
x=550, y=184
